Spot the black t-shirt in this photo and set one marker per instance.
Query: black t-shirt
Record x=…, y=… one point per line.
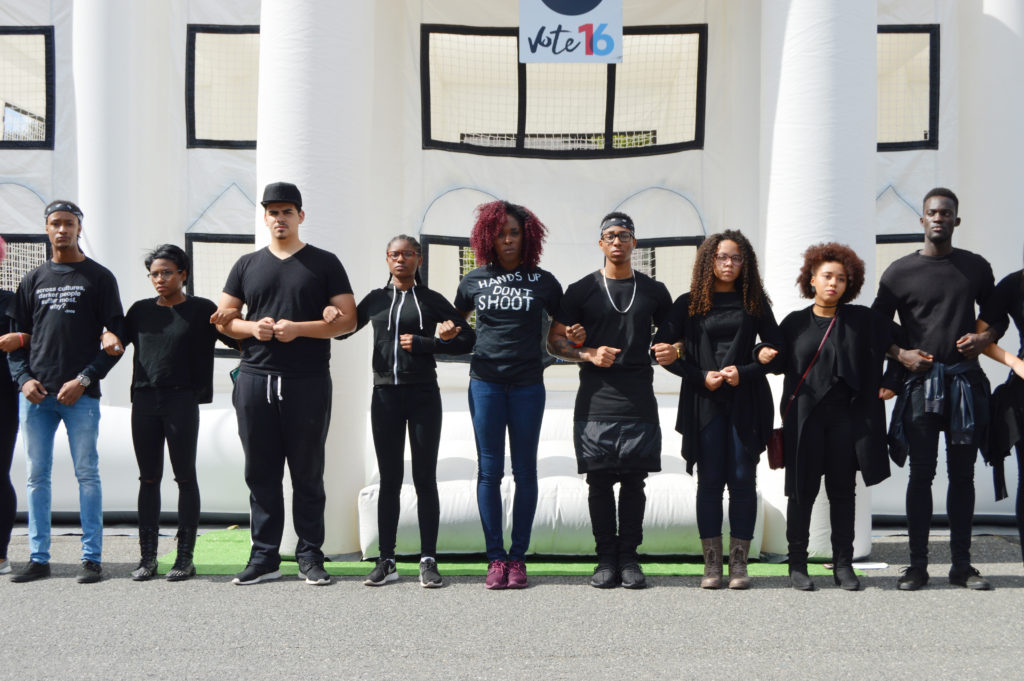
x=1007, y=301
x=619, y=316
x=723, y=322
x=296, y=288
x=65, y=307
x=935, y=297
x=510, y=308
x=173, y=345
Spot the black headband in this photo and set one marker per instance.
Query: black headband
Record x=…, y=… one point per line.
x=618, y=222
x=65, y=206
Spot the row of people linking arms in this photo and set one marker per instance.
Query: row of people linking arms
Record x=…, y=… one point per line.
x=721, y=337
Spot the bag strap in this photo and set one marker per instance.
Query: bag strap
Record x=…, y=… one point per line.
x=808, y=370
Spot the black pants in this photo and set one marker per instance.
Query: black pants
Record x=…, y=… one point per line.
x=8, y=436
x=617, y=541
x=1020, y=492
x=284, y=419
x=923, y=438
x=393, y=410
x=172, y=416
x=826, y=449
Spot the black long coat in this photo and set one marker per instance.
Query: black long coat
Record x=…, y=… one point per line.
x=855, y=351
x=749, y=403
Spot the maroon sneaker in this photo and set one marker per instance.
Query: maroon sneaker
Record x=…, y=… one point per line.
x=516, y=574
x=497, y=575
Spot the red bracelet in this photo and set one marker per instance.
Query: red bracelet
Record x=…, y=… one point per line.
x=21, y=339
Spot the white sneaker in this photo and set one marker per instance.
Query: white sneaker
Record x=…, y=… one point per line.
x=5, y=566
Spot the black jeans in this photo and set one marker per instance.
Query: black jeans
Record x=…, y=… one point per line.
x=617, y=541
x=8, y=436
x=284, y=419
x=723, y=461
x=160, y=415
x=826, y=449
x=393, y=410
x=923, y=437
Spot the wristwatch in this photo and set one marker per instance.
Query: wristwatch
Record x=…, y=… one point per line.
x=84, y=380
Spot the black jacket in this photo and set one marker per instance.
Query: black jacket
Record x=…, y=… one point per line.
x=854, y=353
x=749, y=404
x=417, y=311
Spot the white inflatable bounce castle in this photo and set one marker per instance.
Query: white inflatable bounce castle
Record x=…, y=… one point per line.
x=797, y=121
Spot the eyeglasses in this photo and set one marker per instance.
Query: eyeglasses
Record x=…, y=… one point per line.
x=394, y=255
x=621, y=236
x=722, y=258
x=162, y=274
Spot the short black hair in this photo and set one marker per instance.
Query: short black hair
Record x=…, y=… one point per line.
x=169, y=252
x=942, y=191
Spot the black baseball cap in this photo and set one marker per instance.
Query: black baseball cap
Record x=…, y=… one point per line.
x=282, y=192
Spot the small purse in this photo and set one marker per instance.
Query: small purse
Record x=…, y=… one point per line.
x=776, y=445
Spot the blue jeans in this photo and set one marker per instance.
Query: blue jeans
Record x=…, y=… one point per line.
x=38, y=426
x=495, y=407
x=723, y=460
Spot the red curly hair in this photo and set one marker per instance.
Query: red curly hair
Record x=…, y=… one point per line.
x=490, y=219
x=832, y=252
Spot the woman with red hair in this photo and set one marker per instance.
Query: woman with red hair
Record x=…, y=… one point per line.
x=835, y=424
x=512, y=297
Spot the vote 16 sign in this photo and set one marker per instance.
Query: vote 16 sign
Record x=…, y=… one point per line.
x=570, y=31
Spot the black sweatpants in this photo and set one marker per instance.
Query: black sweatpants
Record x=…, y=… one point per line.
x=394, y=409
x=617, y=541
x=826, y=449
x=8, y=436
x=284, y=419
x=163, y=415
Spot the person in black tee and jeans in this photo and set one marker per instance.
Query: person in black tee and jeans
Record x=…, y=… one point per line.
x=616, y=430
x=172, y=374
x=404, y=315
x=511, y=296
x=283, y=392
x=65, y=304
x=934, y=290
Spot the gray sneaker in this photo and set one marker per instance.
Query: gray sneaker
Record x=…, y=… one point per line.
x=90, y=572
x=5, y=566
x=314, y=573
x=430, y=578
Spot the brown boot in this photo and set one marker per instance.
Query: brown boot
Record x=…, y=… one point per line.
x=712, y=563
x=738, y=550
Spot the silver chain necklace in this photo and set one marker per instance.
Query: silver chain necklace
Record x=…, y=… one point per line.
x=609, y=294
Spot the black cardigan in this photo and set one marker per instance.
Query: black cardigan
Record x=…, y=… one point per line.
x=751, y=401
x=855, y=349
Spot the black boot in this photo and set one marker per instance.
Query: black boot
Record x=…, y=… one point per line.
x=842, y=569
x=798, y=576
x=148, y=539
x=183, y=567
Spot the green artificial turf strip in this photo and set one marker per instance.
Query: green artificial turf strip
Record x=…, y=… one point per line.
x=225, y=552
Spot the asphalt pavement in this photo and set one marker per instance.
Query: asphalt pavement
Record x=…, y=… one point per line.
x=559, y=628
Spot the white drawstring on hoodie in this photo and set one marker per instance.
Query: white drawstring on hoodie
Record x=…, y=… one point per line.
x=398, y=312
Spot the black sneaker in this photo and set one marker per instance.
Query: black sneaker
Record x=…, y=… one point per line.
x=254, y=574
x=606, y=576
x=90, y=572
x=632, y=576
x=969, y=578
x=912, y=578
x=313, y=572
x=32, y=572
x=384, y=572
x=430, y=577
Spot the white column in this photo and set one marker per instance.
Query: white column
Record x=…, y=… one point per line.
x=819, y=96
x=991, y=142
x=819, y=92
x=315, y=95
x=130, y=156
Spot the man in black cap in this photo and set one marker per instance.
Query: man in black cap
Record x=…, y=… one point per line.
x=282, y=395
x=64, y=304
x=616, y=429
